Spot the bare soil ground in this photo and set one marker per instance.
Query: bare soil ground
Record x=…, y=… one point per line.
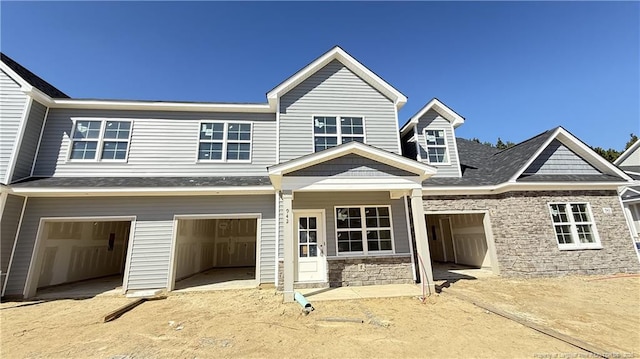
x=255, y=323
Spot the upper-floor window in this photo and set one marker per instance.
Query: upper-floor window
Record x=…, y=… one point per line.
x=225, y=141
x=436, y=146
x=330, y=131
x=574, y=226
x=100, y=140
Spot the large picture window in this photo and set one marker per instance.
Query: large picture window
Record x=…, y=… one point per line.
x=225, y=141
x=574, y=226
x=330, y=131
x=103, y=140
x=364, y=230
x=436, y=146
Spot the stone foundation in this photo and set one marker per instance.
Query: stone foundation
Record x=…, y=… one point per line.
x=346, y=272
x=525, y=240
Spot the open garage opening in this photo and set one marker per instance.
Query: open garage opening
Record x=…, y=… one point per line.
x=215, y=253
x=461, y=246
x=82, y=258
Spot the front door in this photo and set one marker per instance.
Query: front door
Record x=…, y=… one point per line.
x=310, y=247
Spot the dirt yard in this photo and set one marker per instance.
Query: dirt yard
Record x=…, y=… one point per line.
x=254, y=323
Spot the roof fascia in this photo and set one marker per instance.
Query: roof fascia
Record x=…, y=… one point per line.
x=351, y=63
x=357, y=148
x=518, y=186
x=627, y=153
x=139, y=191
x=445, y=111
x=160, y=106
x=580, y=148
x=25, y=86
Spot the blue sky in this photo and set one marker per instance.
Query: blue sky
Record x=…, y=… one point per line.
x=512, y=69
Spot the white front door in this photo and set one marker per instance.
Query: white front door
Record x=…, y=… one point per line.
x=311, y=246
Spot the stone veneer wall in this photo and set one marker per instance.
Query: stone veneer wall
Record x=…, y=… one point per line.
x=525, y=240
x=346, y=272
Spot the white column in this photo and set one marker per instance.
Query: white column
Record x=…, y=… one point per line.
x=422, y=243
x=288, y=241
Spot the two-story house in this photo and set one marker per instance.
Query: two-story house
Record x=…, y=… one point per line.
x=318, y=186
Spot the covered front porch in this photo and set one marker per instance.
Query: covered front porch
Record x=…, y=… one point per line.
x=347, y=219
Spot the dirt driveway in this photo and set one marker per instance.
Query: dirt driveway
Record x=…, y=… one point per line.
x=254, y=323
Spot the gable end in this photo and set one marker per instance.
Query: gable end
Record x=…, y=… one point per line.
x=556, y=158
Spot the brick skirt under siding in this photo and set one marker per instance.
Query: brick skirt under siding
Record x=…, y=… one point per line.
x=524, y=236
x=347, y=272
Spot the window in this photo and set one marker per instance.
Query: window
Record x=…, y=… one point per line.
x=328, y=133
x=363, y=230
x=574, y=226
x=225, y=141
x=436, y=146
x=109, y=139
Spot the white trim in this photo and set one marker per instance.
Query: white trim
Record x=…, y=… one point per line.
x=445, y=146
x=140, y=191
x=576, y=244
x=338, y=135
x=15, y=243
x=520, y=186
x=30, y=288
x=455, y=150
x=171, y=280
x=277, y=131
x=626, y=211
x=348, y=61
x=409, y=236
x=160, y=106
x=224, y=141
x=365, y=250
x=35, y=155
x=100, y=140
x=579, y=148
x=18, y=140
x=442, y=109
x=24, y=85
x=277, y=232
x=422, y=170
x=297, y=213
x=625, y=189
x=635, y=146
x=417, y=142
x=395, y=117
x=127, y=263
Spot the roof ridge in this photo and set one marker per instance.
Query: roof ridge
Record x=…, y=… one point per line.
x=527, y=140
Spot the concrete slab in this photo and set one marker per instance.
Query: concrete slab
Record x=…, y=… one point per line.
x=370, y=291
x=218, y=279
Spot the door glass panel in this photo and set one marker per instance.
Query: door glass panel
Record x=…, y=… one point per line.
x=308, y=237
x=313, y=250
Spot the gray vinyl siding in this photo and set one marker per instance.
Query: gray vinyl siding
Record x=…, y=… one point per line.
x=12, y=105
x=8, y=228
x=409, y=147
x=153, y=230
x=327, y=201
x=632, y=159
x=558, y=159
x=334, y=91
x=162, y=144
x=29, y=144
x=350, y=166
x=433, y=121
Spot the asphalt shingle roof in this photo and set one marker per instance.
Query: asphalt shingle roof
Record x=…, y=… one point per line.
x=33, y=79
x=138, y=182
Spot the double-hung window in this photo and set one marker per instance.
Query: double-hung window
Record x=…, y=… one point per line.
x=225, y=141
x=103, y=140
x=436, y=146
x=330, y=131
x=574, y=226
x=364, y=230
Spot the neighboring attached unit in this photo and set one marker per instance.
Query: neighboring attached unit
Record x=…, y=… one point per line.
x=316, y=187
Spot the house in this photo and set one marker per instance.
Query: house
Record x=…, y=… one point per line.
x=629, y=161
x=318, y=186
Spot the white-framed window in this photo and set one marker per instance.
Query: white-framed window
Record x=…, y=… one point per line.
x=330, y=131
x=100, y=140
x=225, y=141
x=574, y=226
x=364, y=230
x=436, y=146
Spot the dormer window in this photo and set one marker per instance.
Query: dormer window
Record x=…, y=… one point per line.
x=330, y=131
x=436, y=146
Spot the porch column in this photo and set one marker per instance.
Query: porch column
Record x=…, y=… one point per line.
x=287, y=200
x=422, y=243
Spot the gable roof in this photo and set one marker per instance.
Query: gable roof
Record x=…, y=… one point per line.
x=443, y=110
x=337, y=53
x=486, y=166
x=628, y=152
x=31, y=78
